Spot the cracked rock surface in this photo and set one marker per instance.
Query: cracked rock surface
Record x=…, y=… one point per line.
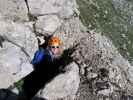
x=19, y=33
x=63, y=86
x=99, y=71
x=16, y=51
x=14, y=10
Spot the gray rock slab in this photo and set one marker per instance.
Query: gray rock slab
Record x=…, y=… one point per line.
x=63, y=85
x=15, y=10
x=64, y=8
x=47, y=24
x=38, y=7
x=16, y=53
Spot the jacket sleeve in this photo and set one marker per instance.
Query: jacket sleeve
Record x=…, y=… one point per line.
x=38, y=56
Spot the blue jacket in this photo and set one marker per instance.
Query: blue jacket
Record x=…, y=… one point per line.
x=39, y=56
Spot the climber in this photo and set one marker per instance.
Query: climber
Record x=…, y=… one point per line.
x=45, y=68
x=52, y=51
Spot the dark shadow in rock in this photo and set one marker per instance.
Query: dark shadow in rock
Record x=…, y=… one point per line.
x=1, y=41
x=130, y=97
x=37, y=98
x=103, y=72
x=6, y=94
x=45, y=71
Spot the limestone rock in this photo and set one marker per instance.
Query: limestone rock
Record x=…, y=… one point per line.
x=15, y=10
x=63, y=7
x=16, y=53
x=51, y=14
x=105, y=73
x=47, y=24
x=19, y=33
x=63, y=86
x=112, y=72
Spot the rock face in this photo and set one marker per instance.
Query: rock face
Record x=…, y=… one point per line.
x=113, y=18
x=14, y=10
x=16, y=51
x=62, y=7
x=64, y=86
x=106, y=74
x=21, y=24
x=99, y=70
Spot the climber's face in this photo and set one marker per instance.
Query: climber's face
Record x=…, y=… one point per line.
x=55, y=49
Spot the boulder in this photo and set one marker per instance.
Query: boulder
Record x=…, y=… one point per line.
x=16, y=52
x=61, y=7
x=15, y=10
x=63, y=86
x=47, y=24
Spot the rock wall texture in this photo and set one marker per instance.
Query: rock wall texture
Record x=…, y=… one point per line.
x=102, y=67
x=63, y=86
x=113, y=18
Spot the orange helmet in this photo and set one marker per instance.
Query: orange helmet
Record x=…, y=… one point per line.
x=54, y=40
